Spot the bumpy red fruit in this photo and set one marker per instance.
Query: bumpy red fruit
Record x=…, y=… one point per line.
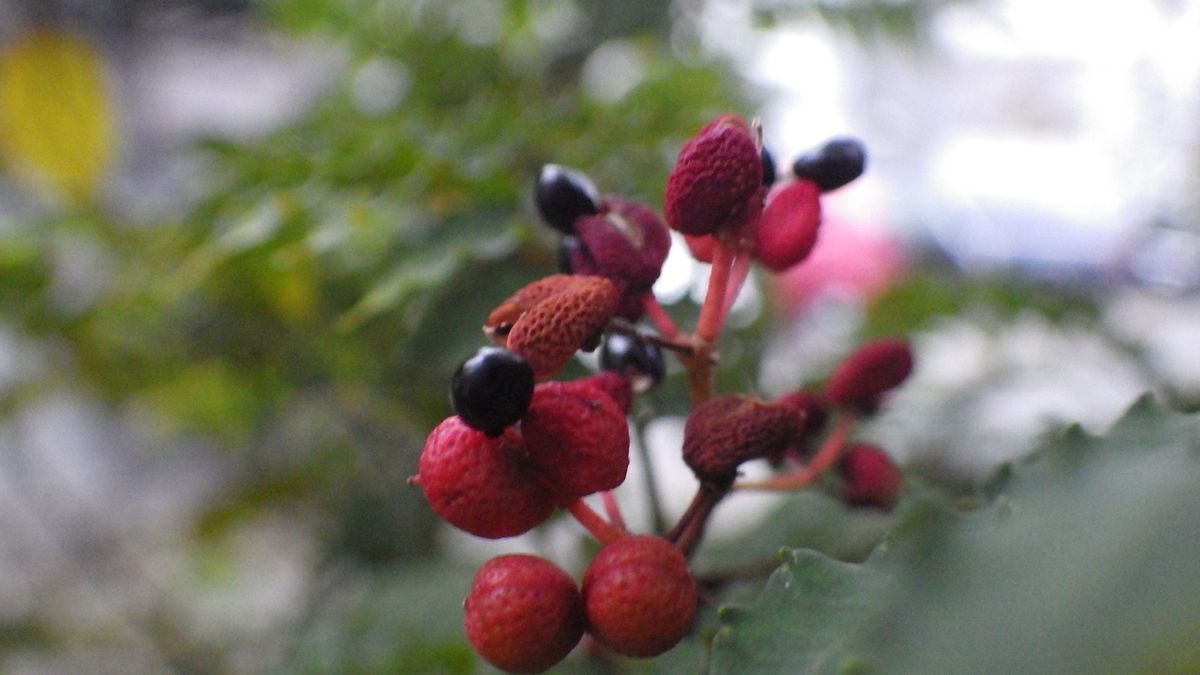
x=626, y=242
x=577, y=437
x=717, y=179
x=483, y=485
x=549, y=320
x=639, y=596
x=787, y=231
x=861, y=379
x=871, y=479
x=523, y=614
x=617, y=386
x=725, y=431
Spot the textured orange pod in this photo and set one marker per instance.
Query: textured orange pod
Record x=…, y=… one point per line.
x=725, y=431
x=501, y=319
x=550, y=333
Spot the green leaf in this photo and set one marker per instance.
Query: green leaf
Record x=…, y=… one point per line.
x=804, y=622
x=1085, y=562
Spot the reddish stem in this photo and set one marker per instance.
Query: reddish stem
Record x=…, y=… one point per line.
x=601, y=529
x=737, y=277
x=827, y=455
x=708, y=326
x=613, y=510
x=687, y=532
x=659, y=317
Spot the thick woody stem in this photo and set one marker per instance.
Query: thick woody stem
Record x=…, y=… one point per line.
x=690, y=528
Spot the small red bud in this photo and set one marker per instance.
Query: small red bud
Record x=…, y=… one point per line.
x=871, y=477
x=861, y=379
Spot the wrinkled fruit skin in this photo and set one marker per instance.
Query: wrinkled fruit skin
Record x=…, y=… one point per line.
x=562, y=195
x=716, y=179
x=725, y=431
x=815, y=412
x=616, y=385
x=549, y=320
x=482, y=485
x=523, y=614
x=787, y=231
x=491, y=389
x=639, y=596
x=626, y=242
x=871, y=479
x=832, y=165
x=578, y=438
x=861, y=379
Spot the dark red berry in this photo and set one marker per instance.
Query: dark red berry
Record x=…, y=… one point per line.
x=716, y=179
x=562, y=195
x=485, y=486
x=577, y=436
x=639, y=596
x=627, y=243
x=634, y=357
x=768, y=167
x=523, y=614
x=787, y=231
x=725, y=431
x=871, y=479
x=492, y=389
x=860, y=381
x=835, y=163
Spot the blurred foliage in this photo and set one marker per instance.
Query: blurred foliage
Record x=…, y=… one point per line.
x=1082, y=562
x=56, y=121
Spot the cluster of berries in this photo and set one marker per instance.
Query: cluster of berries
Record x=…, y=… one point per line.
x=521, y=445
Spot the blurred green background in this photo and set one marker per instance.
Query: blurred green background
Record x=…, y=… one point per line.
x=244, y=244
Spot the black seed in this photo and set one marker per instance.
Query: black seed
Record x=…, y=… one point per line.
x=562, y=195
x=832, y=165
x=492, y=389
x=768, y=163
x=635, y=358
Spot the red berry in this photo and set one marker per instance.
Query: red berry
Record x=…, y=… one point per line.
x=483, y=485
x=716, y=180
x=861, y=379
x=617, y=386
x=725, y=431
x=639, y=596
x=787, y=231
x=815, y=413
x=625, y=242
x=577, y=437
x=871, y=477
x=523, y=614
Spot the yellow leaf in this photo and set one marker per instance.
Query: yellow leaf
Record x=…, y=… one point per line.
x=56, y=119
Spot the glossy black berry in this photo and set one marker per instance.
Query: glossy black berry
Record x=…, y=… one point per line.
x=768, y=163
x=635, y=358
x=562, y=195
x=832, y=165
x=492, y=390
